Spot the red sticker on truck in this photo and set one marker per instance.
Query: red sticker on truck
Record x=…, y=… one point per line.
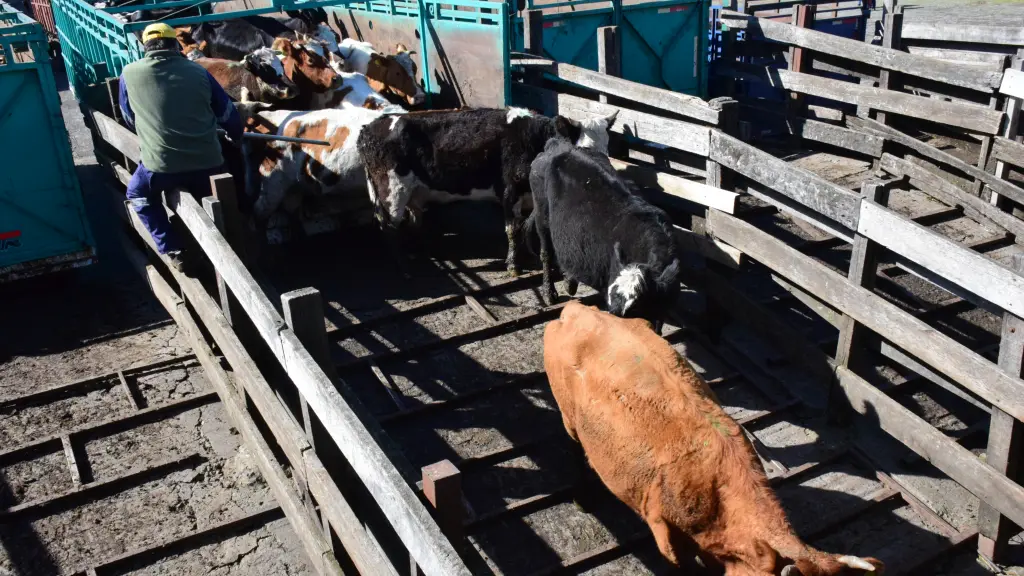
x=10, y=239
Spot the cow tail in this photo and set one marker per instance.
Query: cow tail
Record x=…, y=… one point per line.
x=531, y=236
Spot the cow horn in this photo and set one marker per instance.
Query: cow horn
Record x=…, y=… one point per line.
x=611, y=117
x=790, y=570
x=399, y=48
x=855, y=562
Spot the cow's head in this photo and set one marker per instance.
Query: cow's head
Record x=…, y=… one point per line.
x=396, y=73
x=266, y=66
x=306, y=66
x=639, y=290
x=594, y=132
x=834, y=565
x=189, y=47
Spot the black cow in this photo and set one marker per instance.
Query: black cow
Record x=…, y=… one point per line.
x=601, y=233
x=472, y=154
x=233, y=39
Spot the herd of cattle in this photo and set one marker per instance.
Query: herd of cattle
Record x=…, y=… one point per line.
x=647, y=423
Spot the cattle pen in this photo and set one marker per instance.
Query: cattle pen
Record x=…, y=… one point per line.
x=853, y=297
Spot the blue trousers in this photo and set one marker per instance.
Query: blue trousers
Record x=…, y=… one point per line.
x=145, y=191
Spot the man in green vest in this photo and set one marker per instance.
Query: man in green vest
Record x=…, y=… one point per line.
x=175, y=107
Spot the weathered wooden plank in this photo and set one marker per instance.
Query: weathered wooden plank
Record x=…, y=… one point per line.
x=243, y=286
x=932, y=445
x=842, y=137
x=803, y=216
x=1005, y=437
x=975, y=272
x=934, y=185
x=965, y=367
x=806, y=188
x=433, y=552
x=998, y=185
x=922, y=66
x=954, y=30
x=679, y=187
x=1008, y=151
x=318, y=550
x=121, y=138
x=674, y=133
x=986, y=60
x=411, y=521
x=959, y=114
x=682, y=104
x=363, y=551
x=1013, y=84
x=609, y=60
x=709, y=248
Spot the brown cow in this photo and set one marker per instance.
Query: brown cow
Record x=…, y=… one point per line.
x=308, y=69
x=656, y=436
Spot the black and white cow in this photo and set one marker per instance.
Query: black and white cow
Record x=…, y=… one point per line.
x=602, y=234
x=413, y=160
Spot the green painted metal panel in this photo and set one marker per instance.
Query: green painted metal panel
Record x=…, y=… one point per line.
x=42, y=217
x=663, y=43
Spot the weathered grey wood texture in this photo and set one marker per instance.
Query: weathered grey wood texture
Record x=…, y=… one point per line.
x=889, y=59
x=929, y=249
x=933, y=153
x=1005, y=438
x=411, y=521
x=363, y=551
x=317, y=548
x=967, y=368
x=808, y=189
x=919, y=339
x=692, y=138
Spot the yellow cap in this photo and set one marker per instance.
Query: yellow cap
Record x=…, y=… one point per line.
x=157, y=30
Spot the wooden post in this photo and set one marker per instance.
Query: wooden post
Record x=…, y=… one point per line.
x=533, y=42
x=533, y=32
x=1005, y=438
x=799, y=61
x=853, y=335
x=888, y=80
x=223, y=186
x=442, y=485
x=1013, y=110
x=304, y=313
x=608, y=55
x=215, y=209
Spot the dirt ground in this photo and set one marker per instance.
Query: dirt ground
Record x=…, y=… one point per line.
x=90, y=322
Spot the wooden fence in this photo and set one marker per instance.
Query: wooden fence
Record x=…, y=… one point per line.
x=330, y=448
x=689, y=155
x=866, y=121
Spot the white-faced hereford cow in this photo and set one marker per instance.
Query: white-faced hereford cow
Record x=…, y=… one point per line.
x=289, y=171
x=416, y=159
x=391, y=75
x=601, y=233
x=658, y=439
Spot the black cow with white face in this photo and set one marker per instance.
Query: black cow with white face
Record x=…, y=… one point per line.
x=602, y=234
x=414, y=160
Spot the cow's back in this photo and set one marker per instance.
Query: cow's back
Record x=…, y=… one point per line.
x=644, y=418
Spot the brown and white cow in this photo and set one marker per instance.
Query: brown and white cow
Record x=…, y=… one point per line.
x=308, y=69
x=354, y=92
x=259, y=77
x=290, y=171
x=390, y=75
x=656, y=436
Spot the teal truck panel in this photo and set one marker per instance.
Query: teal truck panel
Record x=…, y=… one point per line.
x=663, y=43
x=42, y=216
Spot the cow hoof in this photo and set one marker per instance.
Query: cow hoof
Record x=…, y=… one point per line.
x=514, y=272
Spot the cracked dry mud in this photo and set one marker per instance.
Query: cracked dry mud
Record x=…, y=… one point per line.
x=96, y=321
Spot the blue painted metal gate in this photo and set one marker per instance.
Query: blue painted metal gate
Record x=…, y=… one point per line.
x=663, y=43
x=42, y=217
